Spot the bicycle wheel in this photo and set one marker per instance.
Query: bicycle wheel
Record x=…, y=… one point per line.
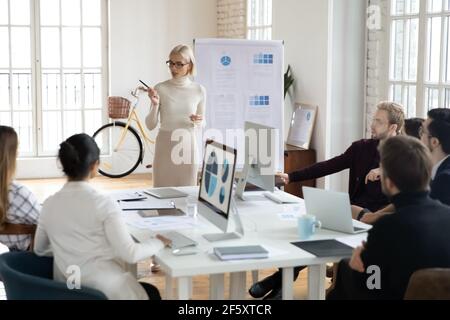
x=119, y=159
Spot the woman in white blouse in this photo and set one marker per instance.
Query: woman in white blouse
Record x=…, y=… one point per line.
x=84, y=230
x=178, y=105
x=18, y=206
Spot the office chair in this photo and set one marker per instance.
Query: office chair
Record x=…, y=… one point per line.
x=429, y=284
x=19, y=229
x=27, y=276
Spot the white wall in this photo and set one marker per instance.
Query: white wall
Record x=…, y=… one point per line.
x=141, y=32
x=324, y=44
x=303, y=25
x=347, y=80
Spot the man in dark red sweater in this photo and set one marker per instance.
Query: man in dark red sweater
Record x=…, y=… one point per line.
x=361, y=157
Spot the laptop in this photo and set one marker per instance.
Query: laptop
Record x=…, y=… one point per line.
x=166, y=193
x=333, y=209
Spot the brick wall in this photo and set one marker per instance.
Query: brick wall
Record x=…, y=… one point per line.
x=231, y=19
x=377, y=66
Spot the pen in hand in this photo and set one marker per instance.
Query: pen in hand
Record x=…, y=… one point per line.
x=144, y=84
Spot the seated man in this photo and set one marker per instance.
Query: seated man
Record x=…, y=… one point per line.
x=361, y=157
x=435, y=134
x=414, y=238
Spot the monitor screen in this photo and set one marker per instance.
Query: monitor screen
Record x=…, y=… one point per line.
x=216, y=185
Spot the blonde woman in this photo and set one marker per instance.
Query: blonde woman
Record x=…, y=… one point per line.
x=178, y=105
x=17, y=204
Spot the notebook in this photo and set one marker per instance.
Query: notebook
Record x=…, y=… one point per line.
x=241, y=252
x=325, y=248
x=166, y=193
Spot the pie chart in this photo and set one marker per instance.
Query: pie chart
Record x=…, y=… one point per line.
x=222, y=195
x=211, y=174
x=226, y=61
x=226, y=171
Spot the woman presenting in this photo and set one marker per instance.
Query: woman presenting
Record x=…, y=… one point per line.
x=178, y=105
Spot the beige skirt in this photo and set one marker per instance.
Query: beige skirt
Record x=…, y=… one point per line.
x=176, y=162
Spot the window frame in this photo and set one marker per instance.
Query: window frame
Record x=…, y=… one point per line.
x=423, y=40
x=37, y=111
x=250, y=28
x=10, y=71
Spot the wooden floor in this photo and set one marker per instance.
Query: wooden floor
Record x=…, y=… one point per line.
x=43, y=188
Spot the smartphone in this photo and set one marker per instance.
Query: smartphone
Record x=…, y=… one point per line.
x=144, y=84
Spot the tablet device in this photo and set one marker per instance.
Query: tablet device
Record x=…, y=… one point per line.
x=160, y=213
x=166, y=193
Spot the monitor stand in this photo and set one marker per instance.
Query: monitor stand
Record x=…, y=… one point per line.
x=242, y=180
x=215, y=237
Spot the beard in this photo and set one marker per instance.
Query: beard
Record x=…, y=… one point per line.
x=427, y=144
x=380, y=136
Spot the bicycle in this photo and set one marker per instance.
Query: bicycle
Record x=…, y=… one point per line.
x=120, y=141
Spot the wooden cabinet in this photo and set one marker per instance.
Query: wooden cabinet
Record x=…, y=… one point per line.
x=294, y=160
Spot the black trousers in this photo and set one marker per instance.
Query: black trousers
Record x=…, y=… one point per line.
x=350, y=284
x=151, y=290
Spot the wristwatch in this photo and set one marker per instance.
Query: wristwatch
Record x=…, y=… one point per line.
x=362, y=213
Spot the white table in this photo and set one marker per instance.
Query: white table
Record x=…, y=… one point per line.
x=263, y=226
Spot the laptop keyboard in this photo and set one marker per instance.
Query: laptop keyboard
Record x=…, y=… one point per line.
x=356, y=229
x=179, y=240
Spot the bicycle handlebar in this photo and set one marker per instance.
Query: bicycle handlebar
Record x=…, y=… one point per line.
x=135, y=92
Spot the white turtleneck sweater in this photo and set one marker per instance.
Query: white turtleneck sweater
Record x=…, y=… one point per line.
x=179, y=99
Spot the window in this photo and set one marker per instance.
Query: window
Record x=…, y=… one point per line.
x=419, y=73
x=259, y=19
x=53, y=76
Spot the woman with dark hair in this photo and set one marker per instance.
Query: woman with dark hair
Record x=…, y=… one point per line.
x=18, y=206
x=412, y=127
x=85, y=233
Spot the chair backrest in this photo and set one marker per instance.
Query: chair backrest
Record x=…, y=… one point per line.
x=19, y=229
x=429, y=284
x=27, y=276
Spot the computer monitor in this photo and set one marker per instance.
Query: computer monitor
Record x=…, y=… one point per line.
x=216, y=188
x=260, y=158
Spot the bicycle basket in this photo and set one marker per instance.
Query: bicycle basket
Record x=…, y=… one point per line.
x=118, y=107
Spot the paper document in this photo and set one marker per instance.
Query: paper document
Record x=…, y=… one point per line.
x=288, y=216
x=161, y=223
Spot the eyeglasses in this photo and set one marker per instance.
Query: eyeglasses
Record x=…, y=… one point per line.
x=177, y=65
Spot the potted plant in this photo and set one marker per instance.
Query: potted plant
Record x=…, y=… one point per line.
x=288, y=80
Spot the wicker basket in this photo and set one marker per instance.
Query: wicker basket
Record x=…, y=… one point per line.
x=118, y=107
